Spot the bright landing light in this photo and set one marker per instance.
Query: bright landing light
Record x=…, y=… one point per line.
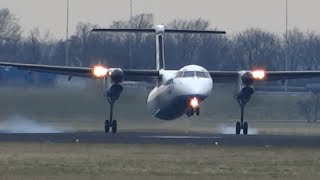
x=100, y=71
x=194, y=102
x=259, y=74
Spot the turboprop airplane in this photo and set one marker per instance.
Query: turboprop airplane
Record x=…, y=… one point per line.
x=177, y=92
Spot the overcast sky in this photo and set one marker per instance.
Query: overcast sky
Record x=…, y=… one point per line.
x=230, y=15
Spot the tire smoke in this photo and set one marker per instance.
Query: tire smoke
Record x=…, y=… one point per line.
x=19, y=124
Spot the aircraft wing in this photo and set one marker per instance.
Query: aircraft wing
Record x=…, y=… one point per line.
x=283, y=75
x=129, y=74
x=232, y=76
x=224, y=76
x=143, y=75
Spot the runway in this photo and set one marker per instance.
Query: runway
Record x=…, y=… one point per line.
x=165, y=138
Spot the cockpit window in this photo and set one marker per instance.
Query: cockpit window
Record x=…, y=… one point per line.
x=188, y=73
x=169, y=82
x=179, y=74
x=201, y=74
x=208, y=75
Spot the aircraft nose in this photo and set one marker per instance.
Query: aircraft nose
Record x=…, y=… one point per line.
x=195, y=86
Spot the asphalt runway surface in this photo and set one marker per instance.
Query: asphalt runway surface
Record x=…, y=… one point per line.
x=165, y=138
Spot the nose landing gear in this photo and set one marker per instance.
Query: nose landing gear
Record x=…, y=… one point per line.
x=197, y=111
x=191, y=111
x=194, y=107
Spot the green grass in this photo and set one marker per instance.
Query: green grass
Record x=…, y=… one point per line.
x=117, y=161
x=219, y=106
x=86, y=110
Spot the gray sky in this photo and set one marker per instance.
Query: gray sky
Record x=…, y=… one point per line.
x=230, y=15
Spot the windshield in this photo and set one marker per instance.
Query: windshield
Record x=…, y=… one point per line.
x=201, y=74
x=189, y=74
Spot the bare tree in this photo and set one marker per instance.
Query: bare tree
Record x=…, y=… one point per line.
x=141, y=45
x=80, y=47
x=10, y=35
x=215, y=53
x=9, y=27
x=256, y=48
x=296, y=42
x=184, y=48
x=311, y=52
x=35, y=45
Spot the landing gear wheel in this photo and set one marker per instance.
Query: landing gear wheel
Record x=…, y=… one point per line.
x=190, y=112
x=106, y=126
x=114, y=126
x=198, y=111
x=238, y=128
x=245, y=128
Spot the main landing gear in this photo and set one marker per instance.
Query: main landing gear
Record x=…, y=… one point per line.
x=242, y=125
x=111, y=123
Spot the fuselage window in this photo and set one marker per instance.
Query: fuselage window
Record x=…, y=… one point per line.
x=188, y=73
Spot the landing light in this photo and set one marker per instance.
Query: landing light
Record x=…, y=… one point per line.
x=100, y=71
x=259, y=74
x=194, y=102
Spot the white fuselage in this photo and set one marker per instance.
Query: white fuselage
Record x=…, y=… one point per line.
x=170, y=99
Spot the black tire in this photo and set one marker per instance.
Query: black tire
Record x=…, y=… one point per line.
x=238, y=128
x=114, y=126
x=191, y=112
x=106, y=126
x=245, y=128
x=198, y=111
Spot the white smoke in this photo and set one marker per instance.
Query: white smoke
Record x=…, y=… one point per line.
x=228, y=129
x=19, y=124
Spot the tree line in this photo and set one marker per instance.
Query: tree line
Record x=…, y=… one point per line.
x=249, y=49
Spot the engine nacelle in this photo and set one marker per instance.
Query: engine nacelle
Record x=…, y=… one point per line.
x=247, y=79
x=116, y=76
x=114, y=91
x=113, y=84
x=245, y=93
x=245, y=85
